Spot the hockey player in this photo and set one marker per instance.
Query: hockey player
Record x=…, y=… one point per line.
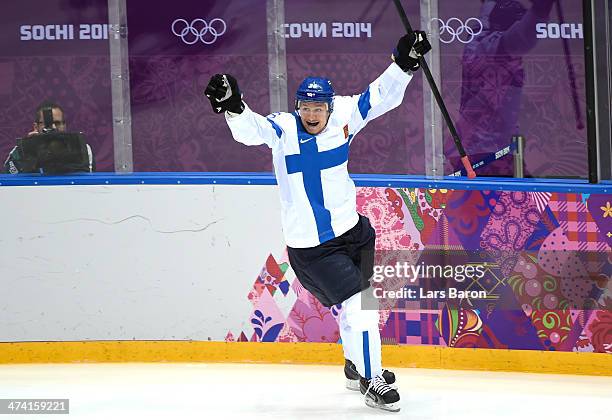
x=330, y=246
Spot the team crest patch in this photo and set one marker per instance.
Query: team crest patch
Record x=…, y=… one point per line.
x=346, y=131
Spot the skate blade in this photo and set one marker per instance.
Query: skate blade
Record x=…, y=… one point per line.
x=352, y=384
x=393, y=407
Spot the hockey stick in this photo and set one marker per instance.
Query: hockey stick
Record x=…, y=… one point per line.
x=570, y=71
x=490, y=158
x=434, y=89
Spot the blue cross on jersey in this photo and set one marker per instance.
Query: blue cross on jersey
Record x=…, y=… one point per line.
x=310, y=162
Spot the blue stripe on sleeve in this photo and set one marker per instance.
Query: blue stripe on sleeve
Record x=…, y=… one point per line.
x=278, y=130
x=364, y=103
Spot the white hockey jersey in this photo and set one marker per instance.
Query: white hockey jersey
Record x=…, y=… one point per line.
x=318, y=198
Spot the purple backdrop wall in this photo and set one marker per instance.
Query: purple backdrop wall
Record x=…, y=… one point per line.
x=394, y=142
x=75, y=73
x=508, y=81
x=496, y=83
x=168, y=76
x=173, y=126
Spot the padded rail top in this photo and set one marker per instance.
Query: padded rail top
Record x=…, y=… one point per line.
x=267, y=178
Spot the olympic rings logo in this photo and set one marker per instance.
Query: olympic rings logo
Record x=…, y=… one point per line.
x=199, y=30
x=455, y=29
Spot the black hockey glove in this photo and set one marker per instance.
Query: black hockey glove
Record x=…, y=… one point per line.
x=224, y=95
x=409, y=48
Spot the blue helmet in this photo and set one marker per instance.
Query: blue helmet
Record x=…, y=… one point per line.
x=315, y=89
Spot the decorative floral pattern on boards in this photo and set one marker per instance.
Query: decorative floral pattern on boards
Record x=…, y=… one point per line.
x=559, y=300
x=310, y=321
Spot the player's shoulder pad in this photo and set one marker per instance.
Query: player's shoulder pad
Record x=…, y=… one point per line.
x=281, y=122
x=343, y=106
x=281, y=118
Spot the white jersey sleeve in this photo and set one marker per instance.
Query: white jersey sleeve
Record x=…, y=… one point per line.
x=253, y=129
x=382, y=95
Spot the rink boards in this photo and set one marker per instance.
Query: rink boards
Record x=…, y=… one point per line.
x=131, y=268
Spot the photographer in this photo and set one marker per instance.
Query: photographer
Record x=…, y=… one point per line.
x=56, y=123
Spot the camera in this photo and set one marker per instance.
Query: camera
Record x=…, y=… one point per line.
x=53, y=152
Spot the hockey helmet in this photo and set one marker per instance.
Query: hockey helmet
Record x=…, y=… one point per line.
x=315, y=89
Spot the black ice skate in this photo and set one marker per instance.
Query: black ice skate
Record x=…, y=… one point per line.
x=352, y=377
x=378, y=394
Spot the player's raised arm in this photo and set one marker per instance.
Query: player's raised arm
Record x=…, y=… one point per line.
x=387, y=91
x=247, y=127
